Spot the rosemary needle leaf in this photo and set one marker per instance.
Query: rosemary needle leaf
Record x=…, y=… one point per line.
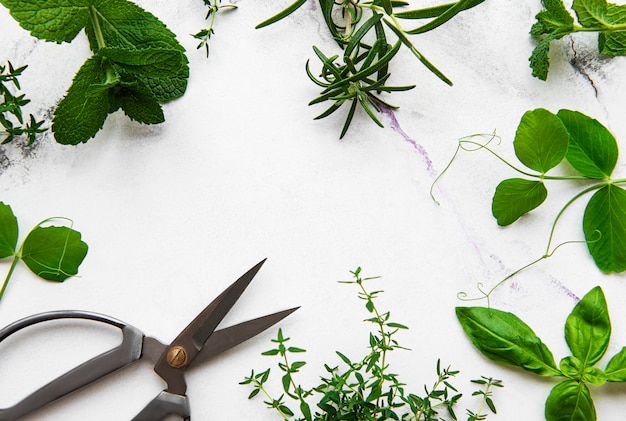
x=289, y=10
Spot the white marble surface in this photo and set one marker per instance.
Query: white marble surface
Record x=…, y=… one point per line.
x=240, y=171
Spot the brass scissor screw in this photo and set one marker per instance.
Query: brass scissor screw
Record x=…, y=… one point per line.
x=177, y=357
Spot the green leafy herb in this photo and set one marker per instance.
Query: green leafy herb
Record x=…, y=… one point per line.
x=504, y=338
x=364, y=71
x=214, y=7
x=53, y=253
x=11, y=116
x=363, y=389
x=555, y=22
x=542, y=141
x=137, y=62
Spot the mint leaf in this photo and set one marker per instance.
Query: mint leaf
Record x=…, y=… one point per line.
x=139, y=105
x=616, y=368
x=592, y=148
x=588, y=328
x=515, y=197
x=555, y=19
x=604, y=225
x=83, y=110
x=540, y=58
x=570, y=401
x=58, y=21
x=503, y=337
x=149, y=63
x=127, y=26
x=53, y=253
x=614, y=43
x=8, y=231
x=541, y=140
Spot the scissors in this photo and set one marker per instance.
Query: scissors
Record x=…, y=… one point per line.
x=198, y=342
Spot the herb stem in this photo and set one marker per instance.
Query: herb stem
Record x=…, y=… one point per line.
x=16, y=259
x=96, y=27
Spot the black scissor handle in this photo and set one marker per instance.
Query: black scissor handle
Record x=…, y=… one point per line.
x=127, y=352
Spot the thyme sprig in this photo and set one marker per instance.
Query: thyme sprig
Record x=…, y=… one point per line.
x=11, y=115
x=214, y=7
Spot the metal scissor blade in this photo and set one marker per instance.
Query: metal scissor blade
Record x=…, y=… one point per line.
x=224, y=339
x=205, y=323
x=184, y=349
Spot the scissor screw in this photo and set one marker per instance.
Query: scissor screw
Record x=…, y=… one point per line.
x=177, y=357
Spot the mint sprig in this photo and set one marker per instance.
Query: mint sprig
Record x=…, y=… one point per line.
x=555, y=22
x=137, y=62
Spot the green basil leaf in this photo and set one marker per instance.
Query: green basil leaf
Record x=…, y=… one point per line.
x=8, y=231
x=588, y=328
x=541, y=140
x=503, y=337
x=572, y=367
x=570, y=401
x=594, y=376
x=604, y=225
x=616, y=368
x=54, y=253
x=515, y=197
x=592, y=148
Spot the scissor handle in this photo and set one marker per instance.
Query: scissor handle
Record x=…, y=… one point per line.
x=127, y=352
x=163, y=405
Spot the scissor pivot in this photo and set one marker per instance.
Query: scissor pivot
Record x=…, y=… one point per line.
x=177, y=357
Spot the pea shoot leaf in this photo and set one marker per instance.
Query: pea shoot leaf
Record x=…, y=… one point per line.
x=604, y=225
x=8, y=231
x=592, y=149
x=588, y=328
x=503, y=337
x=541, y=140
x=515, y=197
x=54, y=253
x=570, y=401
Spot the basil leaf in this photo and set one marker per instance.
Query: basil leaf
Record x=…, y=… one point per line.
x=592, y=148
x=616, y=368
x=8, y=231
x=594, y=376
x=572, y=367
x=570, y=401
x=541, y=140
x=604, y=225
x=503, y=337
x=54, y=253
x=515, y=197
x=588, y=328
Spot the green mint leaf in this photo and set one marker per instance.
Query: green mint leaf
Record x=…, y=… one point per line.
x=541, y=140
x=54, y=253
x=613, y=43
x=125, y=25
x=8, y=231
x=515, y=197
x=150, y=63
x=540, y=58
x=570, y=401
x=503, y=337
x=616, y=368
x=604, y=225
x=588, y=328
x=139, y=105
x=81, y=113
x=58, y=21
x=555, y=19
x=592, y=148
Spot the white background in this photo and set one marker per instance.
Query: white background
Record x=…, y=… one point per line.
x=240, y=171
